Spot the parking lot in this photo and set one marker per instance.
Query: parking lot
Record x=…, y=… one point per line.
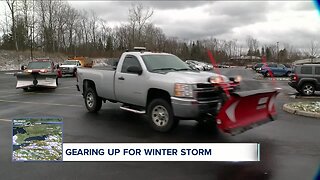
x=290, y=146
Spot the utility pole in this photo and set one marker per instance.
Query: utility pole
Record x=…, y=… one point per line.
x=278, y=52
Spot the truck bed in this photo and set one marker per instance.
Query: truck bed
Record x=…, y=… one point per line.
x=102, y=77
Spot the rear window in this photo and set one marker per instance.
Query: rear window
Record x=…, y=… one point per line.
x=306, y=70
x=272, y=65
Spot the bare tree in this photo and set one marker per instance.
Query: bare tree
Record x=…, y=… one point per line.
x=12, y=7
x=138, y=16
x=314, y=49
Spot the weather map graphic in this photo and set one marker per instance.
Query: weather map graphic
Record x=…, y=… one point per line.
x=37, y=139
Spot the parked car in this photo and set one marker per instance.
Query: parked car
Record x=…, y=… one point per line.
x=196, y=65
x=257, y=67
x=272, y=69
x=306, y=78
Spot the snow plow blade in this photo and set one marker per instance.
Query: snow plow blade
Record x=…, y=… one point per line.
x=25, y=80
x=246, y=110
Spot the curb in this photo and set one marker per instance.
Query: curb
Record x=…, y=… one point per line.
x=303, y=97
x=288, y=109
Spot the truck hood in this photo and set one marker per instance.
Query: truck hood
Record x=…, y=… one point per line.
x=69, y=66
x=193, y=77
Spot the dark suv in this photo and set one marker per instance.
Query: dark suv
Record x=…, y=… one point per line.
x=306, y=78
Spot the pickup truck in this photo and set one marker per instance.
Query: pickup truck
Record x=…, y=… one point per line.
x=70, y=67
x=159, y=85
x=38, y=73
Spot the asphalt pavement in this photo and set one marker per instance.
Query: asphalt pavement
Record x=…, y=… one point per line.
x=290, y=146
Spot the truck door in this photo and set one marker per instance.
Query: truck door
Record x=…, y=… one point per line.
x=317, y=75
x=129, y=86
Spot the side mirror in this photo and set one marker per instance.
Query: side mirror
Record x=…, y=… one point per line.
x=134, y=70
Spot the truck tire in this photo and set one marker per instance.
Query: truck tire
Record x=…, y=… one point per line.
x=92, y=100
x=307, y=89
x=160, y=116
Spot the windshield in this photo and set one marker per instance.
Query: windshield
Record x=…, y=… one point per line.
x=164, y=62
x=39, y=65
x=259, y=65
x=69, y=62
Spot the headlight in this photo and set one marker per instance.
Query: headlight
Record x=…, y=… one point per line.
x=183, y=90
x=216, y=80
x=238, y=79
x=43, y=70
x=29, y=71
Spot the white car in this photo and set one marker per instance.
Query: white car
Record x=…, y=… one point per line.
x=70, y=67
x=196, y=65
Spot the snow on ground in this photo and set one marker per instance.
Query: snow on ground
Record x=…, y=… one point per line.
x=306, y=106
x=12, y=60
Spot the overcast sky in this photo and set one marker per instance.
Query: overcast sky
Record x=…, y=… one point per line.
x=295, y=22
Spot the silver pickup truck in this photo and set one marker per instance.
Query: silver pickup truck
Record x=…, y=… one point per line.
x=159, y=85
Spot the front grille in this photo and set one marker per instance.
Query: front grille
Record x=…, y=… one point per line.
x=207, y=92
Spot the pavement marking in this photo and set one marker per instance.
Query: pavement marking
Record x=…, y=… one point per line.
x=6, y=120
x=50, y=104
x=68, y=87
x=8, y=95
x=59, y=94
x=10, y=73
x=31, y=93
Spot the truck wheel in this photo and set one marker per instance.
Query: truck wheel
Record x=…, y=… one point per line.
x=160, y=115
x=92, y=100
x=307, y=89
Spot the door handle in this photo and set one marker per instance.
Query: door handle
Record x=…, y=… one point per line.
x=121, y=78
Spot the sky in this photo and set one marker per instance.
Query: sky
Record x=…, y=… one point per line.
x=293, y=22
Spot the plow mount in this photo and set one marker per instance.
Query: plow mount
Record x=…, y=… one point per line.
x=246, y=110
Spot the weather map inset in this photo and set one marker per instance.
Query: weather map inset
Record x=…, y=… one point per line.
x=37, y=139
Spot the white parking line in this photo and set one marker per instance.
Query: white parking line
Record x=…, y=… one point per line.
x=6, y=120
x=40, y=103
x=68, y=87
x=27, y=93
x=59, y=94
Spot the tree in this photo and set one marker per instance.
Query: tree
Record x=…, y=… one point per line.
x=138, y=16
x=268, y=54
x=12, y=7
x=313, y=50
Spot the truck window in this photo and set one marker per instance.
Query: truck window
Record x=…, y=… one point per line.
x=306, y=70
x=129, y=61
x=163, y=61
x=317, y=70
